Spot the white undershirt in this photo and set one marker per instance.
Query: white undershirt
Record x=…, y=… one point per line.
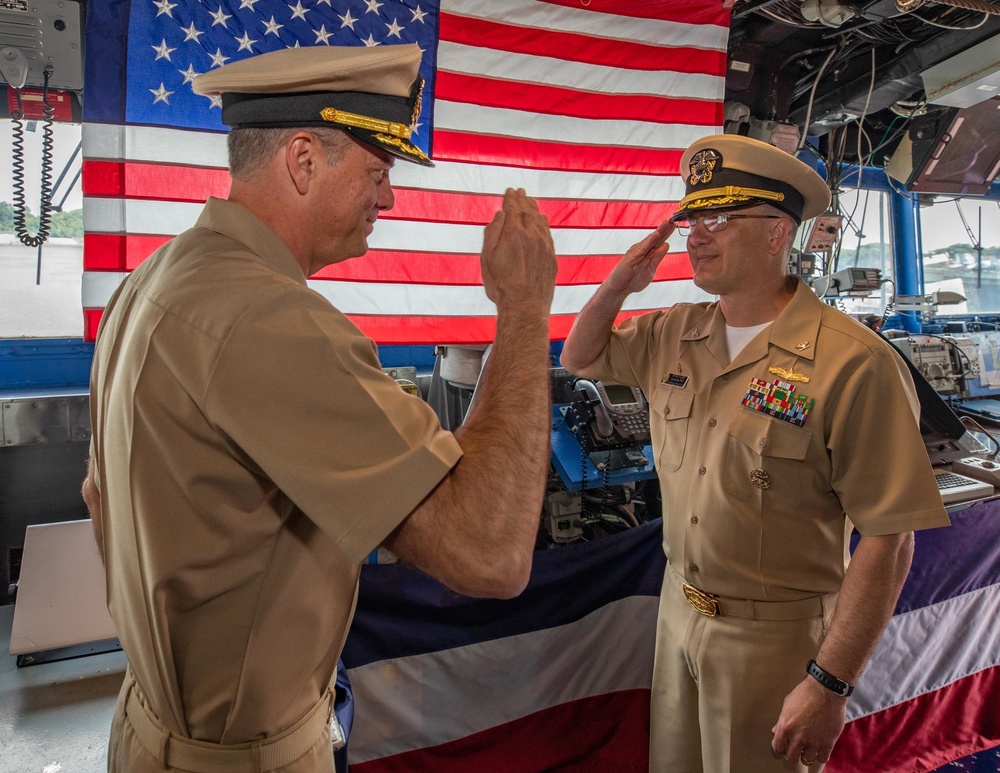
x=738, y=337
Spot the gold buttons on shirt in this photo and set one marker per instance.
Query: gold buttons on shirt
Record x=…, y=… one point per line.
x=760, y=478
x=762, y=442
x=712, y=422
x=694, y=520
x=702, y=470
x=693, y=568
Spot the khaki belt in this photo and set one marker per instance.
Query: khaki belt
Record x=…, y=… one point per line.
x=711, y=605
x=179, y=753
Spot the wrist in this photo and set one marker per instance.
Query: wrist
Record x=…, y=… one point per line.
x=832, y=683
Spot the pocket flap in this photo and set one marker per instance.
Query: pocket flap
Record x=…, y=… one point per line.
x=770, y=437
x=670, y=404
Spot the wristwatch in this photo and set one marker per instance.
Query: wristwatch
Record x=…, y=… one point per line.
x=828, y=680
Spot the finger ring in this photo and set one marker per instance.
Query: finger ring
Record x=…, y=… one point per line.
x=804, y=761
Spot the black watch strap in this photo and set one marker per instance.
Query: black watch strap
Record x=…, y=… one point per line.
x=828, y=680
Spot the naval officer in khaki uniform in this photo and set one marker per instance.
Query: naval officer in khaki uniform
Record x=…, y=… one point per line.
x=248, y=452
x=778, y=423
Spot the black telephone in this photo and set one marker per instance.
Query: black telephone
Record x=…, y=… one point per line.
x=611, y=422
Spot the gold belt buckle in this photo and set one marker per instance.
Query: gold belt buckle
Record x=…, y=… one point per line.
x=704, y=602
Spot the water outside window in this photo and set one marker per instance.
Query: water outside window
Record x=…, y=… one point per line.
x=40, y=298
x=961, y=252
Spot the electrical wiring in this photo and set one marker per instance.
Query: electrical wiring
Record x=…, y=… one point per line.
x=812, y=97
x=888, y=306
x=983, y=21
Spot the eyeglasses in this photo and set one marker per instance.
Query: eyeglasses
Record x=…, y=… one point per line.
x=715, y=223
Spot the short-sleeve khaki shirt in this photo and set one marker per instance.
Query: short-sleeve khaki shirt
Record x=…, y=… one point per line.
x=765, y=462
x=250, y=454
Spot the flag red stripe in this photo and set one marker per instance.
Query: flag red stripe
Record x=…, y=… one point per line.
x=924, y=733
x=116, y=252
x=574, y=736
x=454, y=269
x=186, y=184
x=416, y=330
x=536, y=154
x=445, y=206
x=553, y=100
x=576, y=47
x=691, y=12
x=165, y=182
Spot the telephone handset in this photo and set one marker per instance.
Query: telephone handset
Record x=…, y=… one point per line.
x=610, y=421
x=602, y=426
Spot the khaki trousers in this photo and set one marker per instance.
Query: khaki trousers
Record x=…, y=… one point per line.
x=131, y=750
x=719, y=683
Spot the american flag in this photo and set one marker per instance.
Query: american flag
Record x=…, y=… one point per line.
x=587, y=104
x=558, y=678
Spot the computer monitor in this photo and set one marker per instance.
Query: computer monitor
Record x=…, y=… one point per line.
x=952, y=151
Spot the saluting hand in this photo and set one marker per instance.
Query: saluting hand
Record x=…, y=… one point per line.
x=635, y=271
x=518, y=259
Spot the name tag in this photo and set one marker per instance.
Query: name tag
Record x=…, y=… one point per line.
x=674, y=380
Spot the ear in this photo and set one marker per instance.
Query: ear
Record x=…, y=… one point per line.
x=302, y=153
x=780, y=230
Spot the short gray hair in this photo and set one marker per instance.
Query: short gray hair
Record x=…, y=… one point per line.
x=250, y=149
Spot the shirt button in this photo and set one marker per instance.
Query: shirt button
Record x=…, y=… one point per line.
x=702, y=470
x=666, y=410
x=694, y=568
x=712, y=422
x=725, y=377
x=762, y=442
x=694, y=519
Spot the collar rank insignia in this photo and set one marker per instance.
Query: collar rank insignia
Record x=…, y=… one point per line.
x=789, y=374
x=702, y=166
x=803, y=346
x=779, y=400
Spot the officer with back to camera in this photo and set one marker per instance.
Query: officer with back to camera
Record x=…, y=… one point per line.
x=248, y=452
x=778, y=424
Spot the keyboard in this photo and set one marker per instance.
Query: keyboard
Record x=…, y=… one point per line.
x=960, y=488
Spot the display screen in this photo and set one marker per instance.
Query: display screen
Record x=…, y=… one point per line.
x=619, y=395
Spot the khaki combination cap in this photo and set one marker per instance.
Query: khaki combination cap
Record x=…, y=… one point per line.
x=728, y=170
x=373, y=93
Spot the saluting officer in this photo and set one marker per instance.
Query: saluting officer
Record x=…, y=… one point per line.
x=770, y=412
x=248, y=452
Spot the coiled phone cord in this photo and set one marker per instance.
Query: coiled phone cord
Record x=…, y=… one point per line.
x=20, y=211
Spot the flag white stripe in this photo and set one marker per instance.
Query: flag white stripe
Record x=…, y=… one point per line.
x=431, y=300
x=153, y=145
x=537, y=681
x=503, y=122
x=545, y=184
x=929, y=648
x=141, y=216
x=579, y=76
x=656, y=32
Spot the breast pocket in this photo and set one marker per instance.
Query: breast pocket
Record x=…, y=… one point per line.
x=668, y=426
x=764, y=454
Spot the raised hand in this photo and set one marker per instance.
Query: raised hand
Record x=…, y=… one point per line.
x=518, y=259
x=637, y=268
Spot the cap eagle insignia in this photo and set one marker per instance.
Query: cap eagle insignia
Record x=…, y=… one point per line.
x=702, y=166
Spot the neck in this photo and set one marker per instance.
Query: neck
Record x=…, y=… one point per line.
x=259, y=199
x=762, y=304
